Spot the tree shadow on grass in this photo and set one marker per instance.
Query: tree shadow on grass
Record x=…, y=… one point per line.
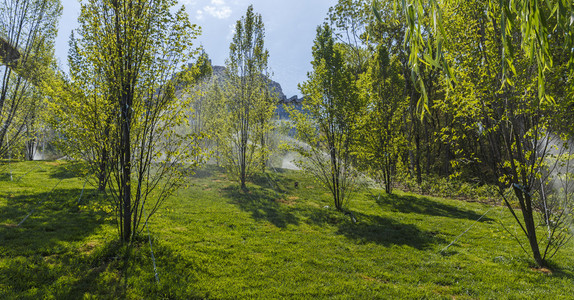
x=69, y=274
x=425, y=206
x=386, y=231
x=111, y=270
x=207, y=171
x=66, y=170
x=52, y=218
x=115, y=268
x=42, y=249
x=371, y=228
x=274, y=181
x=262, y=203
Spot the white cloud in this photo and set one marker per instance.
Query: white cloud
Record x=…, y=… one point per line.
x=199, y=14
x=188, y=2
x=218, y=9
x=231, y=32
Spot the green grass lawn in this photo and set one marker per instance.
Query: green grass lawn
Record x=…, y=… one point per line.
x=214, y=241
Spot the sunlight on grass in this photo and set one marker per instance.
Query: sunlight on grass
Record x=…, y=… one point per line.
x=213, y=240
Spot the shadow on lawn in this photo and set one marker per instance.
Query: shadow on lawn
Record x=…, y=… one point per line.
x=115, y=268
x=46, y=258
x=280, y=184
x=36, y=253
x=57, y=218
x=207, y=171
x=262, y=203
x=67, y=170
x=387, y=232
x=370, y=228
x=109, y=271
x=425, y=206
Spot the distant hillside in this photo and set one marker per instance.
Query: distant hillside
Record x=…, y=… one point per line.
x=220, y=73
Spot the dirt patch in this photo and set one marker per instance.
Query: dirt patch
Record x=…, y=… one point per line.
x=293, y=198
x=370, y=279
x=286, y=202
x=89, y=247
x=542, y=270
x=51, y=259
x=53, y=163
x=310, y=187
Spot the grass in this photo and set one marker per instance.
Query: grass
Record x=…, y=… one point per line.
x=214, y=241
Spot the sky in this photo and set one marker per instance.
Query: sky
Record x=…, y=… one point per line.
x=290, y=28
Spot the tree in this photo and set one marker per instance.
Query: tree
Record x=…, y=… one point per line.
x=218, y=127
x=136, y=47
x=249, y=104
x=200, y=114
x=26, y=52
x=420, y=124
x=325, y=127
x=527, y=19
x=504, y=125
x=349, y=19
x=381, y=136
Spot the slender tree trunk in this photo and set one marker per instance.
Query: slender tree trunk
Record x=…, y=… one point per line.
x=387, y=169
x=525, y=201
x=335, y=177
x=243, y=151
x=124, y=75
x=103, y=172
x=263, y=154
x=30, y=147
x=125, y=165
x=418, y=156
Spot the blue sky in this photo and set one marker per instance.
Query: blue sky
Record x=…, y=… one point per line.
x=290, y=30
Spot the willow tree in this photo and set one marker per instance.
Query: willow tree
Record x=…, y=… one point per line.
x=326, y=124
x=27, y=32
x=249, y=103
x=135, y=48
x=524, y=21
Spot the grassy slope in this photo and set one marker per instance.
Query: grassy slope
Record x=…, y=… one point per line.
x=214, y=241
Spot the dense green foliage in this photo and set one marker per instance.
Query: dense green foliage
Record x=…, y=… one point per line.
x=275, y=241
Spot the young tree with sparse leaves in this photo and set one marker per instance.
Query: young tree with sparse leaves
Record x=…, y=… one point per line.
x=134, y=48
x=325, y=127
x=249, y=104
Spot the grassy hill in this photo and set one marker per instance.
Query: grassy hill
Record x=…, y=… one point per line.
x=214, y=241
